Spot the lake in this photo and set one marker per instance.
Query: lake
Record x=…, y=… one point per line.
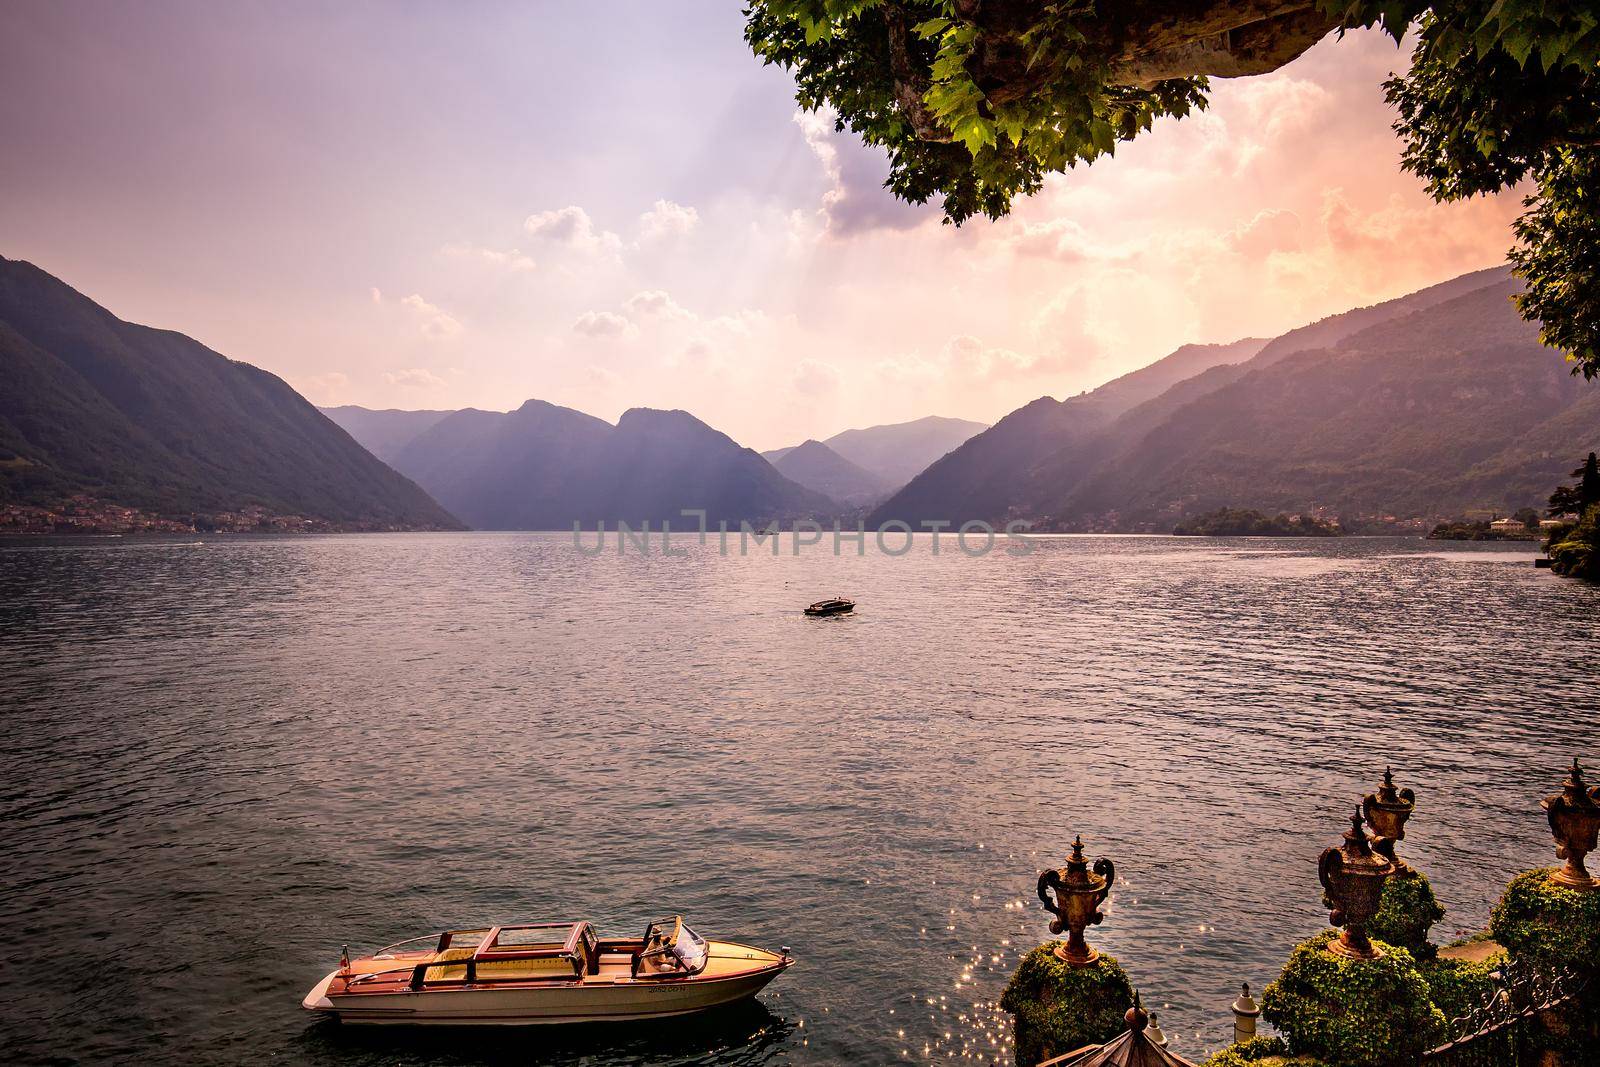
x=224, y=759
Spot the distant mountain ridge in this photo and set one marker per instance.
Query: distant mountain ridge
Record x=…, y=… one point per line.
x=546, y=467
x=384, y=432
x=894, y=453
x=816, y=466
x=533, y=468
x=1434, y=402
x=986, y=477
x=1406, y=417
x=138, y=417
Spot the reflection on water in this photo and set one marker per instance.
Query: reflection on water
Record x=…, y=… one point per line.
x=226, y=759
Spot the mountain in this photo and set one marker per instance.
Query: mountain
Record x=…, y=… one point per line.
x=816, y=466
x=150, y=419
x=898, y=452
x=1147, y=383
x=383, y=432
x=1032, y=462
x=1451, y=407
x=984, y=478
x=988, y=475
x=518, y=470
x=544, y=467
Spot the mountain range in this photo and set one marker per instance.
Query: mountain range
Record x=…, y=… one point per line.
x=895, y=453
x=387, y=431
x=97, y=408
x=1429, y=405
x=816, y=466
x=545, y=467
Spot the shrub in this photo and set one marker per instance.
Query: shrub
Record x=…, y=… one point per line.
x=1456, y=987
x=1407, y=911
x=1057, y=1008
x=1352, y=1013
x=1258, y=1052
x=1577, y=553
x=1548, y=923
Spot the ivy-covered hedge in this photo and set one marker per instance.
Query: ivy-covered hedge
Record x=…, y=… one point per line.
x=1458, y=986
x=1405, y=914
x=1057, y=1008
x=1577, y=552
x=1259, y=1052
x=1548, y=923
x=1352, y=1013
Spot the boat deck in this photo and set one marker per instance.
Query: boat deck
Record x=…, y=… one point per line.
x=394, y=974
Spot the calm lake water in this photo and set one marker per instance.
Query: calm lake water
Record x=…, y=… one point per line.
x=224, y=759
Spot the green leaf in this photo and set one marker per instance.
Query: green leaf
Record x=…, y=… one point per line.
x=975, y=133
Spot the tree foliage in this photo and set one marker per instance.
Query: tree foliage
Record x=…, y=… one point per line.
x=976, y=102
x=1579, y=498
x=976, y=147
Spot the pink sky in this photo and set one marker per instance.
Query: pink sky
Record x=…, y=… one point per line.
x=615, y=205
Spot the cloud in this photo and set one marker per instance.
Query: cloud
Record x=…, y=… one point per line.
x=1281, y=105
x=1060, y=239
x=326, y=388
x=814, y=378
x=435, y=321
x=571, y=227
x=857, y=202
x=602, y=377
x=377, y=294
x=656, y=302
x=968, y=357
x=1408, y=241
x=414, y=378
x=512, y=260
x=603, y=324
x=667, y=219
x=1272, y=230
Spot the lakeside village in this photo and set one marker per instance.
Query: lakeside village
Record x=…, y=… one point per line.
x=82, y=514
x=1373, y=991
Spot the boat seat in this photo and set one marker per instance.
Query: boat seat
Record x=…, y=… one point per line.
x=557, y=967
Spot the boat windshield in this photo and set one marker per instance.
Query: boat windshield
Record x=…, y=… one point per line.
x=671, y=947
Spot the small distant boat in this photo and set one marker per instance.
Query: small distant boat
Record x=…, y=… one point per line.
x=543, y=973
x=837, y=606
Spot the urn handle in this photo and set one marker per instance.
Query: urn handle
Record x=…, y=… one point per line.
x=1330, y=871
x=1048, y=880
x=1104, y=868
x=1051, y=879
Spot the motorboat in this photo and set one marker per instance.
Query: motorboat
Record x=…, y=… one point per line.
x=837, y=606
x=543, y=973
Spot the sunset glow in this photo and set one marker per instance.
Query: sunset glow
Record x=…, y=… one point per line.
x=614, y=206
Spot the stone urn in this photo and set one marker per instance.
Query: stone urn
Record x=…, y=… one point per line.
x=1078, y=894
x=1353, y=877
x=1574, y=815
x=1386, y=812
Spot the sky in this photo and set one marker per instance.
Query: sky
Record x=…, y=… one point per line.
x=615, y=205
